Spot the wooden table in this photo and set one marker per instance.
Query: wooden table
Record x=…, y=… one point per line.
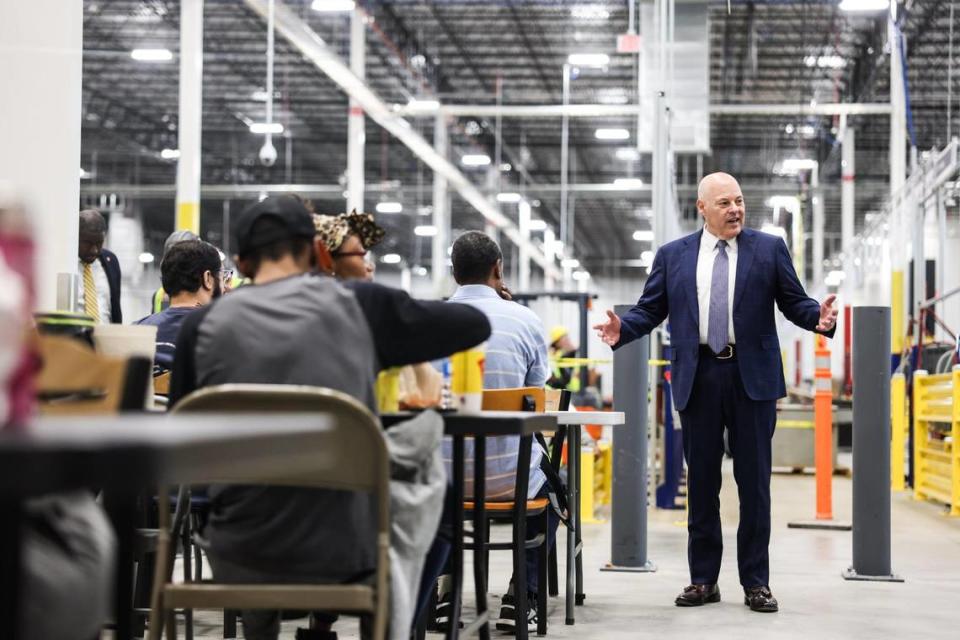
x=573, y=420
x=127, y=455
x=479, y=426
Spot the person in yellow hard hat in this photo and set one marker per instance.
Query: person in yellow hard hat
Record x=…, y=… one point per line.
x=561, y=346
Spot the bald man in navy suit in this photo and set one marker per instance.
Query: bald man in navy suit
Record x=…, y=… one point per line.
x=719, y=287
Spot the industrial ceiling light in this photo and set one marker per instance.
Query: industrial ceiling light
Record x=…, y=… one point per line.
x=420, y=104
x=538, y=225
x=170, y=154
x=793, y=166
x=389, y=207
x=266, y=127
x=145, y=258
x=864, y=5
x=84, y=174
x=570, y=263
x=509, y=197
x=333, y=6
x=425, y=230
x=628, y=154
x=628, y=183
x=646, y=257
x=612, y=134
x=589, y=12
x=826, y=62
x=581, y=275
x=391, y=258
x=808, y=131
x=643, y=235
x=151, y=55
x=589, y=59
x=475, y=160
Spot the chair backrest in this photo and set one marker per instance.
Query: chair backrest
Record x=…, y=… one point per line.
x=513, y=399
x=352, y=457
x=75, y=380
x=161, y=384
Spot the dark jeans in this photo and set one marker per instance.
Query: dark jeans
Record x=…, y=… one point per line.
x=535, y=528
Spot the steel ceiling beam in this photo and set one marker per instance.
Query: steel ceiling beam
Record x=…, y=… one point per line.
x=303, y=38
x=611, y=110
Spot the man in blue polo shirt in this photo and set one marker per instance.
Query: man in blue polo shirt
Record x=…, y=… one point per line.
x=516, y=356
x=191, y=275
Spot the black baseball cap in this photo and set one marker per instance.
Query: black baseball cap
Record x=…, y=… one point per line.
x=296, y=222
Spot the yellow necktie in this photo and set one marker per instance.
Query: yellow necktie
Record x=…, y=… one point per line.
x=90, y=304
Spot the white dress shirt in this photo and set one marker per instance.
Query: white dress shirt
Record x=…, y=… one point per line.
x=103, y=289
x=705, y=259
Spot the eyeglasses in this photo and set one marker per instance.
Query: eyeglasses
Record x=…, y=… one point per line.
x=347, y=254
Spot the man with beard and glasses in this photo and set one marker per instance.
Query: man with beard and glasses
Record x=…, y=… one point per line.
x=192, y=276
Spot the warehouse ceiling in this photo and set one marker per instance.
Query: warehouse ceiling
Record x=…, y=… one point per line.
x=472, y=52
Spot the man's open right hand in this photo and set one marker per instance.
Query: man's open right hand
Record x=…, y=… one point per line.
x=609, y=331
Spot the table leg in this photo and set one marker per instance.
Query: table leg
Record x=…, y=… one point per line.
x=122, y=511
x=578, y=451
x=479, y=527
x=456, y=560
x=11, y=524
x=573, y=493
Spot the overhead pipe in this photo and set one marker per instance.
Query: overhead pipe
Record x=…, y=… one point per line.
x=312, y=46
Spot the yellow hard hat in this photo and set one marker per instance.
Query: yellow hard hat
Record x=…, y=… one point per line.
x=557, y=332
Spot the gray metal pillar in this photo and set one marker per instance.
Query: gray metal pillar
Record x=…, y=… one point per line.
x=819, y=222
x=848, y=171
x=871, y=446
x=190, y=113
x=629, y=499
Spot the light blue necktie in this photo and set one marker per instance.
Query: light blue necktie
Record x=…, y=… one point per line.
x=717, y=337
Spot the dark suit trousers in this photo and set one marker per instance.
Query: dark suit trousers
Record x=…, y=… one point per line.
x=718, y=400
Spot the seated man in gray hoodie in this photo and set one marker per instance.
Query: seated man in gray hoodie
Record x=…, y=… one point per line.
x=294, y=327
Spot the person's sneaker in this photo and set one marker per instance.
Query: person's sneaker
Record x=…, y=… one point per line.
x=442, y=615
x=508, y=616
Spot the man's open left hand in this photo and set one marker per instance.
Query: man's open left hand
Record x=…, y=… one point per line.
x=828, y=314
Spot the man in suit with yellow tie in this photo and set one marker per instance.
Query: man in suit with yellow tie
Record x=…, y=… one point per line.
x=99, y=271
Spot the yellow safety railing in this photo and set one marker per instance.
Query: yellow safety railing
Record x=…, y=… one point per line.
x=899, y=426
x=936, y=430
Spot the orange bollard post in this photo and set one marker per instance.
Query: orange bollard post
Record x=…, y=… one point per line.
x=823, y=429
x=822, y=442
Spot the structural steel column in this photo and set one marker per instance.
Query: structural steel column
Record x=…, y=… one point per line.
x=898, y=140
x=818, y=224
x=189, y=118
x=565, y=166
x=41, y=45
x=524, y=223
x=441, y=216
x=356, y=123
x=848, y=171
x=871, y=446
x=549, y=251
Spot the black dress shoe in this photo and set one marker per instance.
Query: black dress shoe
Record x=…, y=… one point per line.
x=697, y=595
x=760, y=599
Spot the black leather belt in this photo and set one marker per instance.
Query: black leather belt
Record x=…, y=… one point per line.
x=729, y=352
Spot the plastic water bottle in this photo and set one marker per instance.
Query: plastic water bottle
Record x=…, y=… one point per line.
x=446, y=395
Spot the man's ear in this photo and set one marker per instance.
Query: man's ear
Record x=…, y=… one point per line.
x=244, y=266
x=324, y=259
x=498, y=269
x=208, y=282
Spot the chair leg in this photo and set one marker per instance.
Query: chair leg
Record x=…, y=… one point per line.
x=187, y=577
x=553, y=572
x=542, y=576
x=229, y=623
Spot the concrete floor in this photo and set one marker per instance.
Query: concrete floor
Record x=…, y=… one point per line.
x=805, y=572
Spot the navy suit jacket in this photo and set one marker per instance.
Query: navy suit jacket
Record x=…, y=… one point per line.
x=111, y=267
x=765, y=275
